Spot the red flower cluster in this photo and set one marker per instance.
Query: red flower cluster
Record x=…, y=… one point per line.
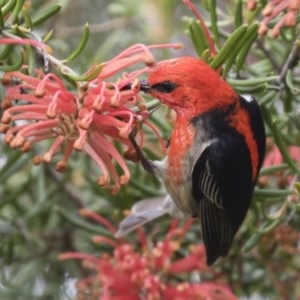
x=286, y=10
x=39, y=107
x=150, y=274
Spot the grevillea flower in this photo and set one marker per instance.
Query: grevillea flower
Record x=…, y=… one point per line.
x=151, y=273
x=92, y=118
x=285, y=10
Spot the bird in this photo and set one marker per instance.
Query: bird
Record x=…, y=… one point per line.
x=214, y=156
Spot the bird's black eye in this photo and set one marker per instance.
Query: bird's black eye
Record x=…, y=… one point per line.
x=164, y=87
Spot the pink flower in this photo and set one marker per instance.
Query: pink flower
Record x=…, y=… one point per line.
x=285, y=10
x=251, y=4
x=198, y=291
x=91, y=119
x=151, y=272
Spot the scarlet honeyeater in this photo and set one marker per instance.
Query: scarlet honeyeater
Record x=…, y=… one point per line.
x=214, y=156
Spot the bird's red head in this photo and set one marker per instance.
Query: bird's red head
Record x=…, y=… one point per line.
x=189, y=86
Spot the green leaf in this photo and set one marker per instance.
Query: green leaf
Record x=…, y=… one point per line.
x=198, y=37
x=10, y=4
x=268, y=226
x=31, y=59
x=226, y=51
x=249, y=82
x=81, y=45
x=267, y=98
x=48, y=36
x=88, y=76
x=14, y=163
x=297, y=187
x=17, y=65
x=1, y=20
x=27, y=19
x=283, y=149
x=290, y=84
x=214, y=21
x=205, y=56
x=295, y=119
x=263, y=3
x=273, y=169
x=70, y=80
x=247, y=43
x=7, y=49
x=238, y=13
x=255, y=237
x=265, y=228
x=240, y=45
x=277, y=135
x=255, y=89
x=46, y=13
x=17, y=9
x=272, y=193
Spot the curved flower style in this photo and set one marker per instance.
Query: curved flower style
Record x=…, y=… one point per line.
x=153, y=273
x=90, y=119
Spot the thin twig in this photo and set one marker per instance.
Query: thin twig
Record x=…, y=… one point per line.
x=290, y=63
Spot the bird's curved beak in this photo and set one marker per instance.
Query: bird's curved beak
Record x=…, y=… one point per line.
x=144, y=86
x=126, y=87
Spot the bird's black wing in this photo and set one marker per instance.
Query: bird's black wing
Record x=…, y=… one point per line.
x=217, y=232
x=222, y=177
x=222, y=189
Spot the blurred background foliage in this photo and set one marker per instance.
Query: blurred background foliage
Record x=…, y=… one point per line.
x=39, y=216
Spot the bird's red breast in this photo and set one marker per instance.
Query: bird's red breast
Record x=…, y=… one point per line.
x=181, y=141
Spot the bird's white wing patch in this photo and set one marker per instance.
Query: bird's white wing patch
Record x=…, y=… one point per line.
x=248, y=98
x=209, y=187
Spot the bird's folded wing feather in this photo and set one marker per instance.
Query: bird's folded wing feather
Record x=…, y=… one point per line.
x=216, y=228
